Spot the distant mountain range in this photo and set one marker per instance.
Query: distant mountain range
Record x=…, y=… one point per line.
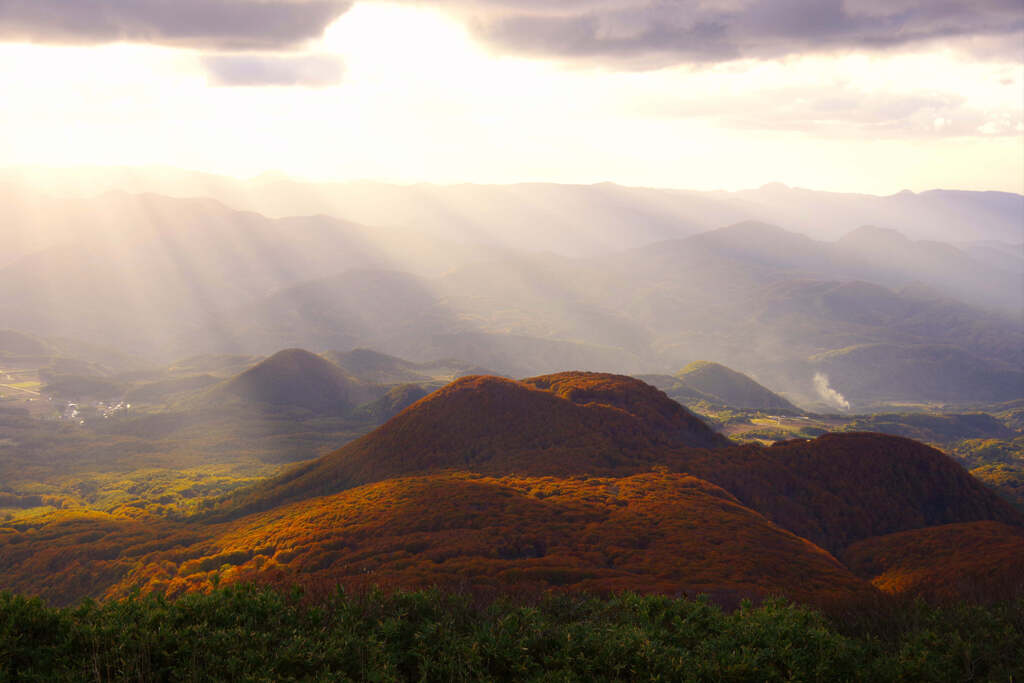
x=530, y=279
x=572, y=219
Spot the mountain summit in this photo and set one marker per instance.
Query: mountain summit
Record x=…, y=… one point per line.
x=295, y=377
x=567, y=423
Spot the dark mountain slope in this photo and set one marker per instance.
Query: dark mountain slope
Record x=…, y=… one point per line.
x=842, y=488
x=380, y=368
x=397, y=399
x=946, y=429
x=977, y=560
x=919, y=372
x=376, y=367
x=295, y=377
x=17, y=344
x=561, y=424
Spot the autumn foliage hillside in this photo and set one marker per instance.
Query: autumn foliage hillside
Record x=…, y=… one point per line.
x=833, y=490
x=655, y=532
x=664, y=421
x=570, y=423
x=980, y=560
x=574, y=481
x=841, y=488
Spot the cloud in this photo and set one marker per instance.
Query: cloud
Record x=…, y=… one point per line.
x=843, y=111
x=828, y=394
x=625, y=33
x=651, y=33
x=208, y=24
x=309, y=71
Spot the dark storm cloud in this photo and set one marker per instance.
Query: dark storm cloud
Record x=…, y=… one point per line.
x=694, y=31
x=310, y=71
x=215, y=24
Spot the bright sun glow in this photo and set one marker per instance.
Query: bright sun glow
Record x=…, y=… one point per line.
x=422, y=101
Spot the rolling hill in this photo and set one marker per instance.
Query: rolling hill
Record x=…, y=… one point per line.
x=841, y=488
x=295, y=377
x=717, y=384
x=981, y=560
x=653, y=532
x=572, y=481
x=833, y=490
x=552, y=425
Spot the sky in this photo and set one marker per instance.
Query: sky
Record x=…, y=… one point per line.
x=870, y=96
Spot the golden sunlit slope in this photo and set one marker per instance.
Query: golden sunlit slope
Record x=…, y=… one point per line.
x=69, y=555
x=654, y=532
x=568, y=423
x=980, y=560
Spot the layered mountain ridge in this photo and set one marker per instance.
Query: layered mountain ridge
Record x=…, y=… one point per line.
x=170, y=278
x=573, y=481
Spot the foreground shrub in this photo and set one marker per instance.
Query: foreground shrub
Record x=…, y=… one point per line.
x=247, y=633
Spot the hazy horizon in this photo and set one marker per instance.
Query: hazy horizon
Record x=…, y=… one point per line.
x=57, y=178
x=41, y=176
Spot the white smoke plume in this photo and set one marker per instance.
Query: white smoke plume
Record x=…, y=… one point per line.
x=827, y=393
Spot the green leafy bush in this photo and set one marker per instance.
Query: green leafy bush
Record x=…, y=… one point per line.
x=247, y=633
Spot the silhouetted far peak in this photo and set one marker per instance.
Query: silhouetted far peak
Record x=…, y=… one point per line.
x=295, y=377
